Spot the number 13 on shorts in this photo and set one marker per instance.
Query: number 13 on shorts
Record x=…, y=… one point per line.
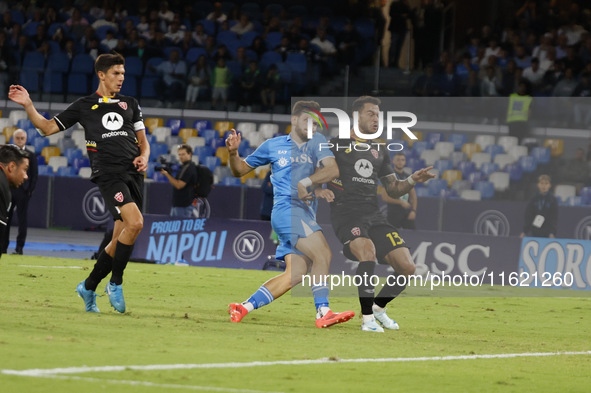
x=395, y=238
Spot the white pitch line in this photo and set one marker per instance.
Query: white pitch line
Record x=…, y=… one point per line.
x=52, y=267
x=152, y=384
x=79, y=370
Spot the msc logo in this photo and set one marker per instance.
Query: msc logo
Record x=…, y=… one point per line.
x=112, y=121
x=583, y=229
x=492, y=223
x=248, y=246
x=94, y=208
x=364, y=167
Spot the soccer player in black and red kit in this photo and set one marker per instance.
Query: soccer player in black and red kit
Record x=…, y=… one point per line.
x=366, y=235
x=118, y=151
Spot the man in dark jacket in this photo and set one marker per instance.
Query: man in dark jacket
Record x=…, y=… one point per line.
x=541, y=213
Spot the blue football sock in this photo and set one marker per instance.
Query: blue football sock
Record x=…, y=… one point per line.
x=320, y=293
x=261, y=297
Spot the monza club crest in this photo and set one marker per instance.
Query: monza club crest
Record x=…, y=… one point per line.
x=119, y=197
x=374, y=153
x=356, y=231
x=123, y=105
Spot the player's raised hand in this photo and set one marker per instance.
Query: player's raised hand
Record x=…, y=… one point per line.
x=233, y=141
x=304, y=194
x=140, y=163
x=423, y=175
x=19, y=94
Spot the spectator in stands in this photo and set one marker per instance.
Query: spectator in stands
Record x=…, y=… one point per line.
x=187, y=42
x=220, y=82
x=244, y=25
x=222, y=53
x=449, y=83
x=5, y=65
x=585, y=52
x=508, y=81
x=258, y=46
x=583, y=89
x=249, y=87
x=13, y=172
x=284, y=47
x=143, y=24
x=269, y=87
x=77, y=23
x=328, y=52
x=159, y=42
x=110, y=41
x=472, y=87
x=549, y=62
x=348, y=41
x=463, y=69
x=439, y=66
x=521, y=58
x=267, y=202
x=566, y=85
x=171, y=83
x=165, y=14
x=490, y=85
x=493, y=49
x=199, y=76
x=541, y=212
x=20, y=197
x=534, y=74
x=107, y=20
x=199, y=35
x=400, y=14
x=217, y=15
x=175, y=33
x=183, y=192
x=210, y=47
x=492, y=63
x=274, y=26
x=402, y=211
x=426, y=84
x=142, y=50
x=40, y=36
x=94, y=49
x=541, y=51
x=573, y=61
x=562, y=47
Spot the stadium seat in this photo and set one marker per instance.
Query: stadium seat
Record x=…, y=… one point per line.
x=60, y=62
x=456, y=157
x=475, y=177
x=16, y=115
x=223, y=126
x=231, y=181
x=195, y=141
x=203, y=152
x=419, y=146
x=133, y=66
x=458, y=140
x=82, y=63
x=85, y=172
x=130, y=86
x=574, y=201
x=57, y=161
x=246, y=128
x=564, y=191
x=253, y=182
x=66, y=171
x=484, y=140
x=433, y=138
x=470, y=148
x=415, y=164
x=249, y=175
x=493, y=150
x=435, y=186
x=247, y=38
x=156, y=150
x=152, y=123
x=507, y=141
x=269, y=58
x=451, y=176
x=502, y=160
x=470, y=195
x=209, y=135
x=273, y=40
x=30, y=80
x=556, y=147
x=268, y=130
x=488, y=167
x=79, y=163
x=422, y=192
x=517, y=151
x=445, y=149
x=193, y=54
x=418, y=134
x=479, y=158
x=161, y=133
x=186, y=133
x=514, y=170
x=175, y=125
x=486, y=188
x=217, y=142
x=528, y=164
x=442, y=165
x=500, y=180
x=72, y=154
x=541, y=154
x=50, y=151
x=147, y=86
x=585, y=195
x=202, y=125
x=8, y=131
x=173, y=141
x=45, y=170
x=466, y=167
x=77, y=83
x=34, y=62
x=460, y=185
x=365, y=27
x=222, y=154
x=297, y=62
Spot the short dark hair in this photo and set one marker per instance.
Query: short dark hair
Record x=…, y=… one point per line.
x=186, y=147
x=301, y=106
x=361, y=101
x=11, y=153
x=108, y=60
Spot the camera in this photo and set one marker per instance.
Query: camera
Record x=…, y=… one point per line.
x=163, y=164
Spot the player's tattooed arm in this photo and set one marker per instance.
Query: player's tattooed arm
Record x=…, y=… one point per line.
x=396, y=188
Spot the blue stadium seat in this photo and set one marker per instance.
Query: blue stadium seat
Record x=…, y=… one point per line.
x=422, y=192
x=157, y=149
x=475, y=177
x=217, y=142
x=243, y=148
x=169, y=49
x=466, y=167
x=269, y=58
x=208, y=26
x=147, y=86
x=45, y=170
x=72, y=154
x=30, y=29
x=77, y=83
x=175, y=125
x=235, y=68
x=208, y=135
x=434, y=137
x=488, y=167
x=415, y=163
x=24, y=124
x=211, y=162
x=101, y=31
x=298, y=10
x=514, y=170
x=528, y=164
x=436, y=186
x=153, y=61
x=247, y=38
x=541, y=154
x=574, y=201
x=297, y=62
x=193, y=54
x=40, y=160
x=493, y=150
x=17, y=17
x=67, y=171
x=39, y=144
x=58, y=62
x=585, y=195
x=231, y=181
x=80, y=163
x=273, y=40
x=200, y=125
x=224, y=37
x=83, y=63
x=203, y=152
x=419, y=146
x=458, y=140
x=365, y=27
x=159, y=177
x=443, y=165
x=486, y=188
x=129, y=87
x=133, y=66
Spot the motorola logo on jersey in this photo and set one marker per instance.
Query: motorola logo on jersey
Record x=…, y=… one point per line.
x=112, y=121
x=492, y=223
x=364, y=167
x=94, y=208
x=248, y=246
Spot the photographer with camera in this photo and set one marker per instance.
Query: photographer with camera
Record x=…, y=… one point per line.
x=184, y=184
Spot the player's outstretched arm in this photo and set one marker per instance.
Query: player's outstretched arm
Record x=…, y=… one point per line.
x=20, y=95
x=329, y=171
x=237, y=165
x=141, y=161
x=396, y=188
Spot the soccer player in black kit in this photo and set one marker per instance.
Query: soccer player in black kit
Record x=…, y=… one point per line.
x=366, y=235
x=118, y=151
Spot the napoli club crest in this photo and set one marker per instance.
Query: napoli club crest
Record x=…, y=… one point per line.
x=119, y=197
x=123, y=105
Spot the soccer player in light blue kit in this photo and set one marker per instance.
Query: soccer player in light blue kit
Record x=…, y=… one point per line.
x=299, y=167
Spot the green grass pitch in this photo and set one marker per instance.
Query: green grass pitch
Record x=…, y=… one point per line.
x=177, y=315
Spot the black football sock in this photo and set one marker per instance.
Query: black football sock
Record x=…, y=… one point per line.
x=365, y=290
x=101, y=269
x=122, y=254
x=389, y=292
